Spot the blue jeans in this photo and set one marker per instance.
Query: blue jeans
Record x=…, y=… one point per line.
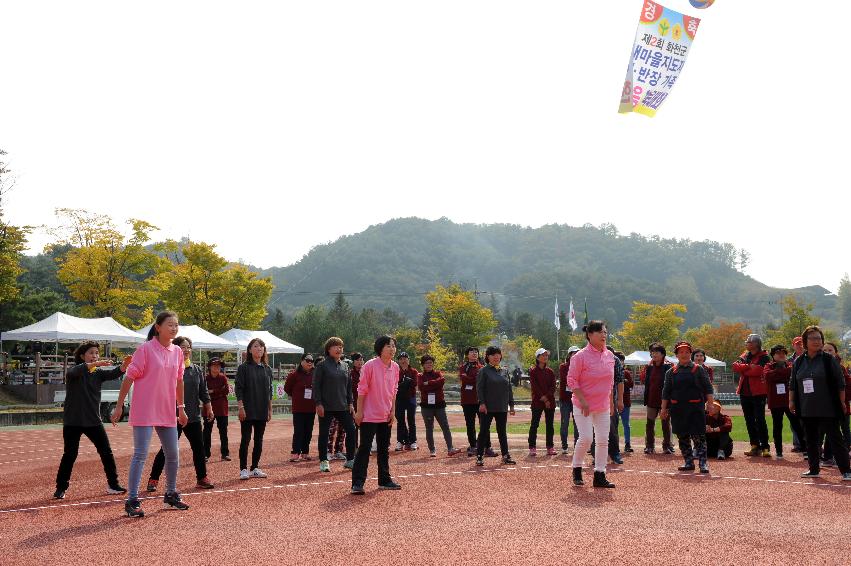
x=141, y=443
x=625, y=421
x=566, y=409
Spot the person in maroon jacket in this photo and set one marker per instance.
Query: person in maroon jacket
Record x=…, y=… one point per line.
x=718, y=426
x=467, y=373
x=217, y=385
x=754, y=394
x=565, y=398
x=699, y=358
x=628, y=384
x=299, y=387
x=406, y=424
x=357, y=363
x=653, y=379
x=543, y=384
x=777, y=374
x=433, y=405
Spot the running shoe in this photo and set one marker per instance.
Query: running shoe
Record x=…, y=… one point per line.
x=152, y=485
x=258, y=473
x=173, y=501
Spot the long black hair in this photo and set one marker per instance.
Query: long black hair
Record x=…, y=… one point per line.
x=161, y=318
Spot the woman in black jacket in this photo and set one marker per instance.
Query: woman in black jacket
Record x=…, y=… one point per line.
x=496, y=402
x=81, y=416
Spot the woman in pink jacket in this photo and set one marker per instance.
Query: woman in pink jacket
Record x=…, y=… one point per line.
x=156, y=372
x=591, y=378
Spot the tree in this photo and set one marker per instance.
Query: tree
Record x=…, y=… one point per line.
x=724, y=342
x=652, y=323
x=527, y=345
x=796, y=317
x=341, y=318
x=443, y=355
x=13, y=242
x=459, y=318
x=31, y=306
x=308, y=328
x=845, y=300
x=410, y=340
x=107, y=273
x=204, y=289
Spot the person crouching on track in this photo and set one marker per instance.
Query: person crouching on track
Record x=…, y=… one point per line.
x=591, y=377
x=496, y=401
x=718, y=426
x=433, y=405
x=81, y=415
x=686, y=396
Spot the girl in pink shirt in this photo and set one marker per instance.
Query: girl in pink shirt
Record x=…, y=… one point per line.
x=591, y=377
x=156, y=371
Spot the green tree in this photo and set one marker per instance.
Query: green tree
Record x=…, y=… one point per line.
x=308, y=328
x=13, y=242
x=845, y=301
x=796, y=317
x=204, y=289
x=652, y=323
x=107, y=273
x=459, y=317
x=410, y=340
x=33, y=305
x=443, y=355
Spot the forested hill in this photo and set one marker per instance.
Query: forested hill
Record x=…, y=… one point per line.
x=395, y=263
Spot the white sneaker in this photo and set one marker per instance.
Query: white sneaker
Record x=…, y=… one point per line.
x=398, y=447
x=258, y=473
x=433, y=453
x=565, y=451
x=340, y=456
x=374, y=448
x=243, y=474
x=414, y=446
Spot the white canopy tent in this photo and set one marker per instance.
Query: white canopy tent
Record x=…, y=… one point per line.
x=642, y=358
x=61, y=327
x=201, y=339
x=274, y=345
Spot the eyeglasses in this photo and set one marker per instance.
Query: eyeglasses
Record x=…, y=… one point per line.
x=309, y=361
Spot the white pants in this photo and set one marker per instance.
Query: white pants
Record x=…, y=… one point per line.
x=595, y=425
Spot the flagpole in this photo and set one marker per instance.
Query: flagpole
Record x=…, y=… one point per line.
x=558, y=327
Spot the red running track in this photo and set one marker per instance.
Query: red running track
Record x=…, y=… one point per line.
x=448, y=512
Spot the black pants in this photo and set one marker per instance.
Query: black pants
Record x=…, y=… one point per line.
x=71, y=437
x=222, y=424
x=471, y=415
x=302, y=432
x=196, y=441
x=381, y=433
x=406, y=424
x=813, y=426
x=753, y=409
x=485, y=432
x=846, y=438
x=549, y=417
x=259, y=428
x=719, y=442
x=344, y=418
x=777, y=415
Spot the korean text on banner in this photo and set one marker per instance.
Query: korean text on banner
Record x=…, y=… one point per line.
x=662, y=44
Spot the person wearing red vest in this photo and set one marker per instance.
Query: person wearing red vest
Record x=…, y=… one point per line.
x=543, y=384
x=777, y=374
x=467, y=373
x=754, y=394
x=687, y=394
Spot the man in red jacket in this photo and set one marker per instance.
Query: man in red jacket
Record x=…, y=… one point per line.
x=754, y=394
x=543, y=383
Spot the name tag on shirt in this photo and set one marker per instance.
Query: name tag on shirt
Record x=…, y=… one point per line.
x=308, y=393
x=567, y=388
x=468, y=387
x=808, y=386
x=431, y=398
x=781, y=389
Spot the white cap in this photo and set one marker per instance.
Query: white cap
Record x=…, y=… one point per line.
x=573, y=349
x=541, y=351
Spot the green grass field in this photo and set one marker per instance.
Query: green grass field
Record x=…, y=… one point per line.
x=739, y=432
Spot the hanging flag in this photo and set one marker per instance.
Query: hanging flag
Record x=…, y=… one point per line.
x=557, y=320
x=662, y=43
x=572, y=318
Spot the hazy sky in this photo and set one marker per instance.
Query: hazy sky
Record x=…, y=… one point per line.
x=268, y=128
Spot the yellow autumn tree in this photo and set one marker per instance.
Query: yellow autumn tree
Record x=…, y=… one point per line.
x=649, y=323
x=459, y=317
x=443, y=355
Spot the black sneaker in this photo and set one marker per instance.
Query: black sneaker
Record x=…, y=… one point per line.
x=226, y=458
x=173, y=501
x=391, y=485
x=649, y=450
x=133, y=508
x=490, y=453
x=577, y=476
x=480, y=461
x=704, y=470
x=471, y=451
x=357, y=490
x=617, y=459
x=115, y=489
x=59, y=494
x=686, y=468
x=601, y=481
x=829, y=463
x=628, y=448
x=670, y=450
x=508, y=461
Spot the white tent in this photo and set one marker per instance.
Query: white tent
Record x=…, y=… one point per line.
x=642, y=358
x=274, y=345
x=201, y=339
x=60, y=327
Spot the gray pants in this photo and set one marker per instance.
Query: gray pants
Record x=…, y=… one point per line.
x=429, y=414
x=650, y=430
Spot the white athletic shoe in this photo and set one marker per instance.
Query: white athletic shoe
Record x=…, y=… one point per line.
x=398, y=447
x=258, y=473
x=243, y=474
x=414, y=446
